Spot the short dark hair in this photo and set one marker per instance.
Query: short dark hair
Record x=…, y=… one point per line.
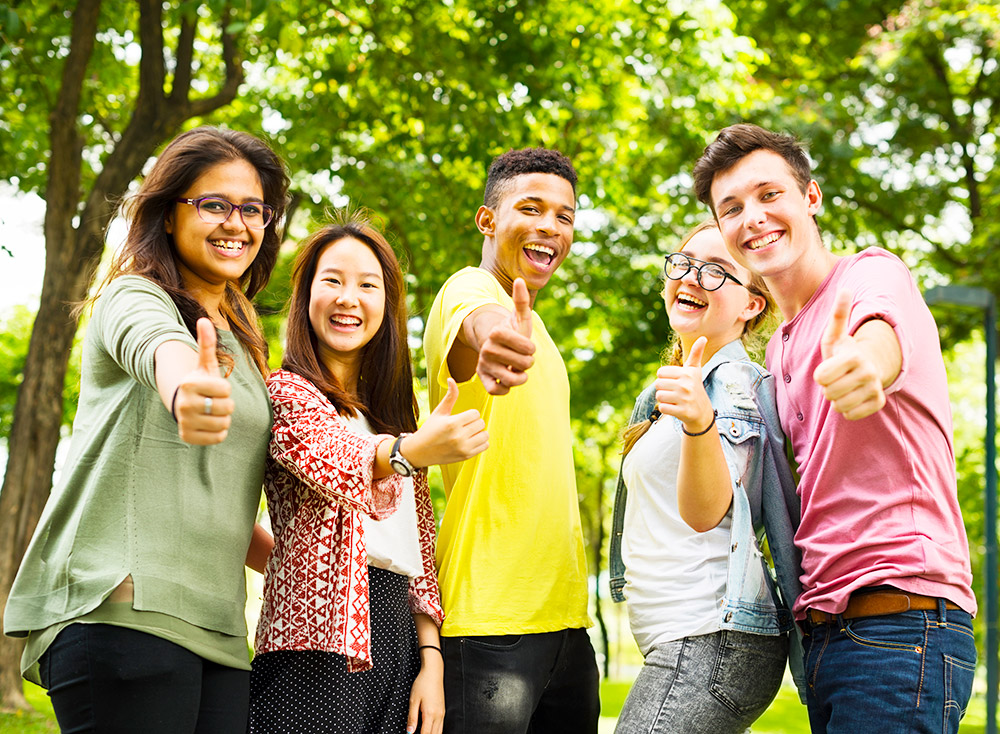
x=734, y=143
x=515, y=163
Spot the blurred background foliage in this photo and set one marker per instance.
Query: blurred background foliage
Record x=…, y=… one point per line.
x=399, y=105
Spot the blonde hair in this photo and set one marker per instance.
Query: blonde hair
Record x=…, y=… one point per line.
x=754, y=336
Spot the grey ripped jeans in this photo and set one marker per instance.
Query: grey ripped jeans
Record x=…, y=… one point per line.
x=718, y=683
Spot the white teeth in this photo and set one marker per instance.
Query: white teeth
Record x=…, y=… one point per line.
x=346, y=320
x=541, y=248
x=763, y=241
x=691, y=300
x=227, y=244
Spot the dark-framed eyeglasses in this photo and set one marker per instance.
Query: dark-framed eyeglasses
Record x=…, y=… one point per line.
x=711, y=276
x=216, y=210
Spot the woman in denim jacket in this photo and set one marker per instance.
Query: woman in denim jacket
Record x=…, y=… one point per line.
x=702, y=602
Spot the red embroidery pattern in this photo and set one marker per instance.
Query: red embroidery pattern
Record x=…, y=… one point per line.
x=318, y=480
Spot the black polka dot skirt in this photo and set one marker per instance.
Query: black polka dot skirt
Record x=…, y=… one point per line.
x=310, y=691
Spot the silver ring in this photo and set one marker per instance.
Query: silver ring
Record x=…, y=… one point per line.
x=208, y=406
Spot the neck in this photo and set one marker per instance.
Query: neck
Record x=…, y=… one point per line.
x=210, y=296
x=793, y=288
x=346, y=370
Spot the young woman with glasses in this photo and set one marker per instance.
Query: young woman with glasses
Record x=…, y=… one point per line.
x=132, y=591
x=348, y=634
x=703, y=475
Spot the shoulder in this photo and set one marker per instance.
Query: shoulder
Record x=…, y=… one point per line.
x=288, y=388
x=472, y=280
x=128, y=289
x=875, y=266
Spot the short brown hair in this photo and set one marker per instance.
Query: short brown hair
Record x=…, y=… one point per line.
x=734, y=143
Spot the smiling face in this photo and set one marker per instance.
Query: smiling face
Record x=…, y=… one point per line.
x=720, y=315
x=765, y=218
x=529, y=233
x=346, y=305
x=210, y=255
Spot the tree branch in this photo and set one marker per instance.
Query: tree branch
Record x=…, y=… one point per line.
x=234, y=73
x=184, y=56
x=151, y=71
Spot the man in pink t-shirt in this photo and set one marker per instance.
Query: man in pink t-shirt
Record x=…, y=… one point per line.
x=886, y=598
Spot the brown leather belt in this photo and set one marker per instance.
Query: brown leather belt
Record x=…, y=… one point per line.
x=877, y=604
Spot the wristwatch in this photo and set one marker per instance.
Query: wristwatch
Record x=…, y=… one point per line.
x=397, y=461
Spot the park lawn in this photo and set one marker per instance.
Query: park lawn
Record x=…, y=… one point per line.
x=785, y=715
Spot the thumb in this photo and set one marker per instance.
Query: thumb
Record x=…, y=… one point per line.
x=449, y=399
x=207, y=361
x=696, y=353
x=836, y=327
x=522, y=308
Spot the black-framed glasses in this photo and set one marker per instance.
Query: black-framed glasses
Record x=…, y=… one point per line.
x=711, y=276
x=216, y=210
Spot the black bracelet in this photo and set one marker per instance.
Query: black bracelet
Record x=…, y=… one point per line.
x=701, y=433
x=173, y=402
x=431, y=647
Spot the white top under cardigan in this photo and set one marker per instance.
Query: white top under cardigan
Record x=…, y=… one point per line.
x=675, y=577
x=392, y=543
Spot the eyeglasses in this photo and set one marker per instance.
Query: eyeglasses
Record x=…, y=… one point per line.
x=216, y=210
x=711, y=276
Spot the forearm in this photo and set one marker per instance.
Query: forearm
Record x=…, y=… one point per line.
x=261, y=544
x=877, y=339
x=704, y=489
x=428, y=639
x=173, y=361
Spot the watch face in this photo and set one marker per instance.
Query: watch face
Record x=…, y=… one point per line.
x=399, y=467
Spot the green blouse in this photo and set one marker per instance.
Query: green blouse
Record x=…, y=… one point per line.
x=134, y=500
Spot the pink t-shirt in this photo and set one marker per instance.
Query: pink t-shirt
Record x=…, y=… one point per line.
x=879, y=501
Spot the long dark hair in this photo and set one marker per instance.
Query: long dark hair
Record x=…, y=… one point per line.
x=149, y=250
x=752, y=337
x=385, y=385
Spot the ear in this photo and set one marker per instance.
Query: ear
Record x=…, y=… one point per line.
x=754, y=306
x=485, y=221
x=168, y=222
x=814, y=198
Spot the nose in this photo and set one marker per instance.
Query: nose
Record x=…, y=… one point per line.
x=235, y=220
x=547, y=223
x=754, y=215
x=347, y=296
x=691, y=276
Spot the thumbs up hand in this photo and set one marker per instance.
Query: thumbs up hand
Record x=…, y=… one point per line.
x=445, y=438
x=680, y=391
x=850, y=379
x=201, y=404
x=507, y=352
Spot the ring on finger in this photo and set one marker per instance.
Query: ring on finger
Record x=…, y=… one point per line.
x=208, y=406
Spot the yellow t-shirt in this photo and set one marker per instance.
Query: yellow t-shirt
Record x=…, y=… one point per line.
x=510, y=550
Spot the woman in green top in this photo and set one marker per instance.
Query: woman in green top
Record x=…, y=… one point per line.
x=132, y=591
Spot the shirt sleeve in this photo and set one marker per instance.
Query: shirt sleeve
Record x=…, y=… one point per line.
x=460, y=296
x=311, y=442
x=883, y=288
x=425, y=596
x=134, y=316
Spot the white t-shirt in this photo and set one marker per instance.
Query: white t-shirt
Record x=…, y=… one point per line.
x=392, y=544
x=675, y=577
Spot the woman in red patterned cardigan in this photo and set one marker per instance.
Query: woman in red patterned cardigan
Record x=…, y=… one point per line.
x=348, y=634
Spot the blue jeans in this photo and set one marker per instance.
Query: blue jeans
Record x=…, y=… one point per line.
x=719, y=683
x=545, y=683
x=899, y=673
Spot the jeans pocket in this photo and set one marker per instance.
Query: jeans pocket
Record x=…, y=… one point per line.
x=903, y=632
x=494, y=642
x=748, y=671
x=958, y=675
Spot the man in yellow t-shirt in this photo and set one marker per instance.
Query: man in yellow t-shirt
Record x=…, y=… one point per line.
x=510, y=550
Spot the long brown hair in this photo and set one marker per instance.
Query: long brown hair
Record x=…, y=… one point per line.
x=149, y=250
x=385, y=385
x=753, y=337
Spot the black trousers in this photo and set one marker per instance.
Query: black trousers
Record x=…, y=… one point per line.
x=113, y=680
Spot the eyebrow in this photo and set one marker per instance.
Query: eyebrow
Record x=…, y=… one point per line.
x=338, y=271
x=755, y=187
x=539, y=200
x=227, y=197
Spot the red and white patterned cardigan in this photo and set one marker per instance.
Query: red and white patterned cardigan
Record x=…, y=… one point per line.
x=318, y=482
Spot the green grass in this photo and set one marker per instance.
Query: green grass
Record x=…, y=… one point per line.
x=785, y=715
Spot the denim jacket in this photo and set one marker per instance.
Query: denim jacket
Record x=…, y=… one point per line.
x=764, y=500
